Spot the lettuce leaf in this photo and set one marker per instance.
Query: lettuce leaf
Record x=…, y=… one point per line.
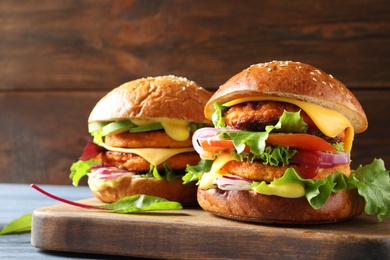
x=80, y=169
x=289, y=122
x=195, y=172
x=317, y=192
x=217, y=115
x=255, y=140
x=373, y=184
x=97, y=137
x=168, y=173
x=140, y=202
x=19, y=225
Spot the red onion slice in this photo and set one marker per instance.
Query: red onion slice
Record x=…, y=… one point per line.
x=320, y=159
x=204, y=134
x=109, y=173
x=227, y=182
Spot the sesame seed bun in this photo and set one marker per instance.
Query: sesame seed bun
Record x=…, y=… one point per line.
x=153, y=97
x=292, y=80
x=163, y=97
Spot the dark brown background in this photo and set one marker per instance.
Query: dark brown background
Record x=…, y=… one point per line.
x=57, y=58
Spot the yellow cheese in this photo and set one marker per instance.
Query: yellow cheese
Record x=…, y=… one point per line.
x=220, y=161
x=206, y=182
x=154, y=156
x=330, y=122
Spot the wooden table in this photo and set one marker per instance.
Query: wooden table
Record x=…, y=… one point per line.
x=188, y=233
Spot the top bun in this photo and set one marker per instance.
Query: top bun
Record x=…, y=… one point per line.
x=153, y=97
x=293, y=80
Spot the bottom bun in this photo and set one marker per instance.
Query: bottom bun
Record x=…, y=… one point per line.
x=132, y=185
x=253, y=207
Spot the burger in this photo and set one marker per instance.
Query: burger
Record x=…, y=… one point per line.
x=280, y=149
x=142, y=140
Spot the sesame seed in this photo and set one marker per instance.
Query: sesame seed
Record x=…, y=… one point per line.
x=311, y=73
x=319, y=72
x=330, y=85
x=269, y=69
x=323, y=82
x=330, y=75
x=314, y=79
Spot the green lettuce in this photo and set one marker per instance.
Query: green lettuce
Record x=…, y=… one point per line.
x=373, y=184
x=317, y=192
x=19, y=225
x=154, y=172
x=216, y=117
x=80, y=169
x=289, y=122
x=195, y=172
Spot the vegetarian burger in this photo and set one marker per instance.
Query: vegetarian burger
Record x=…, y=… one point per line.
x=280, y=149
x=142, y=140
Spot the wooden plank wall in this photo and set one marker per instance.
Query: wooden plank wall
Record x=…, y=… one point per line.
x=57, y=58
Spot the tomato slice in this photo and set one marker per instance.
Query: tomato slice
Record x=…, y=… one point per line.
x=301, y=141
x=217, y=145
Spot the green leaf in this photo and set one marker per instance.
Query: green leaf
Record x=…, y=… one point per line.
x=255, y=140
x=277, y=155
x=80, y=169
x=97, y=137
x=291, y=122
x=317, y=192
x=373, y=184
x=217, y=115
x=194, y=172
x=141, y=202
x=195, y=126
x=22, y=224
x=168, y=173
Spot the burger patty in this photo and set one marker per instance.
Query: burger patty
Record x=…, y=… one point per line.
x=135, y=163
x=152, y=139
x=257, y=171
x=255, y=116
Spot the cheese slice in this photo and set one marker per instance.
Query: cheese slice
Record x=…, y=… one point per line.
x=154, y=156
x=330, y=122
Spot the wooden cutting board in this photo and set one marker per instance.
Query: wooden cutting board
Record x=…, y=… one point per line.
x=194, y=233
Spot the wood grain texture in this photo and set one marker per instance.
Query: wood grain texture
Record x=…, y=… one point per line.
x=196, y=234
x=100, y=44
x=57, y=58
